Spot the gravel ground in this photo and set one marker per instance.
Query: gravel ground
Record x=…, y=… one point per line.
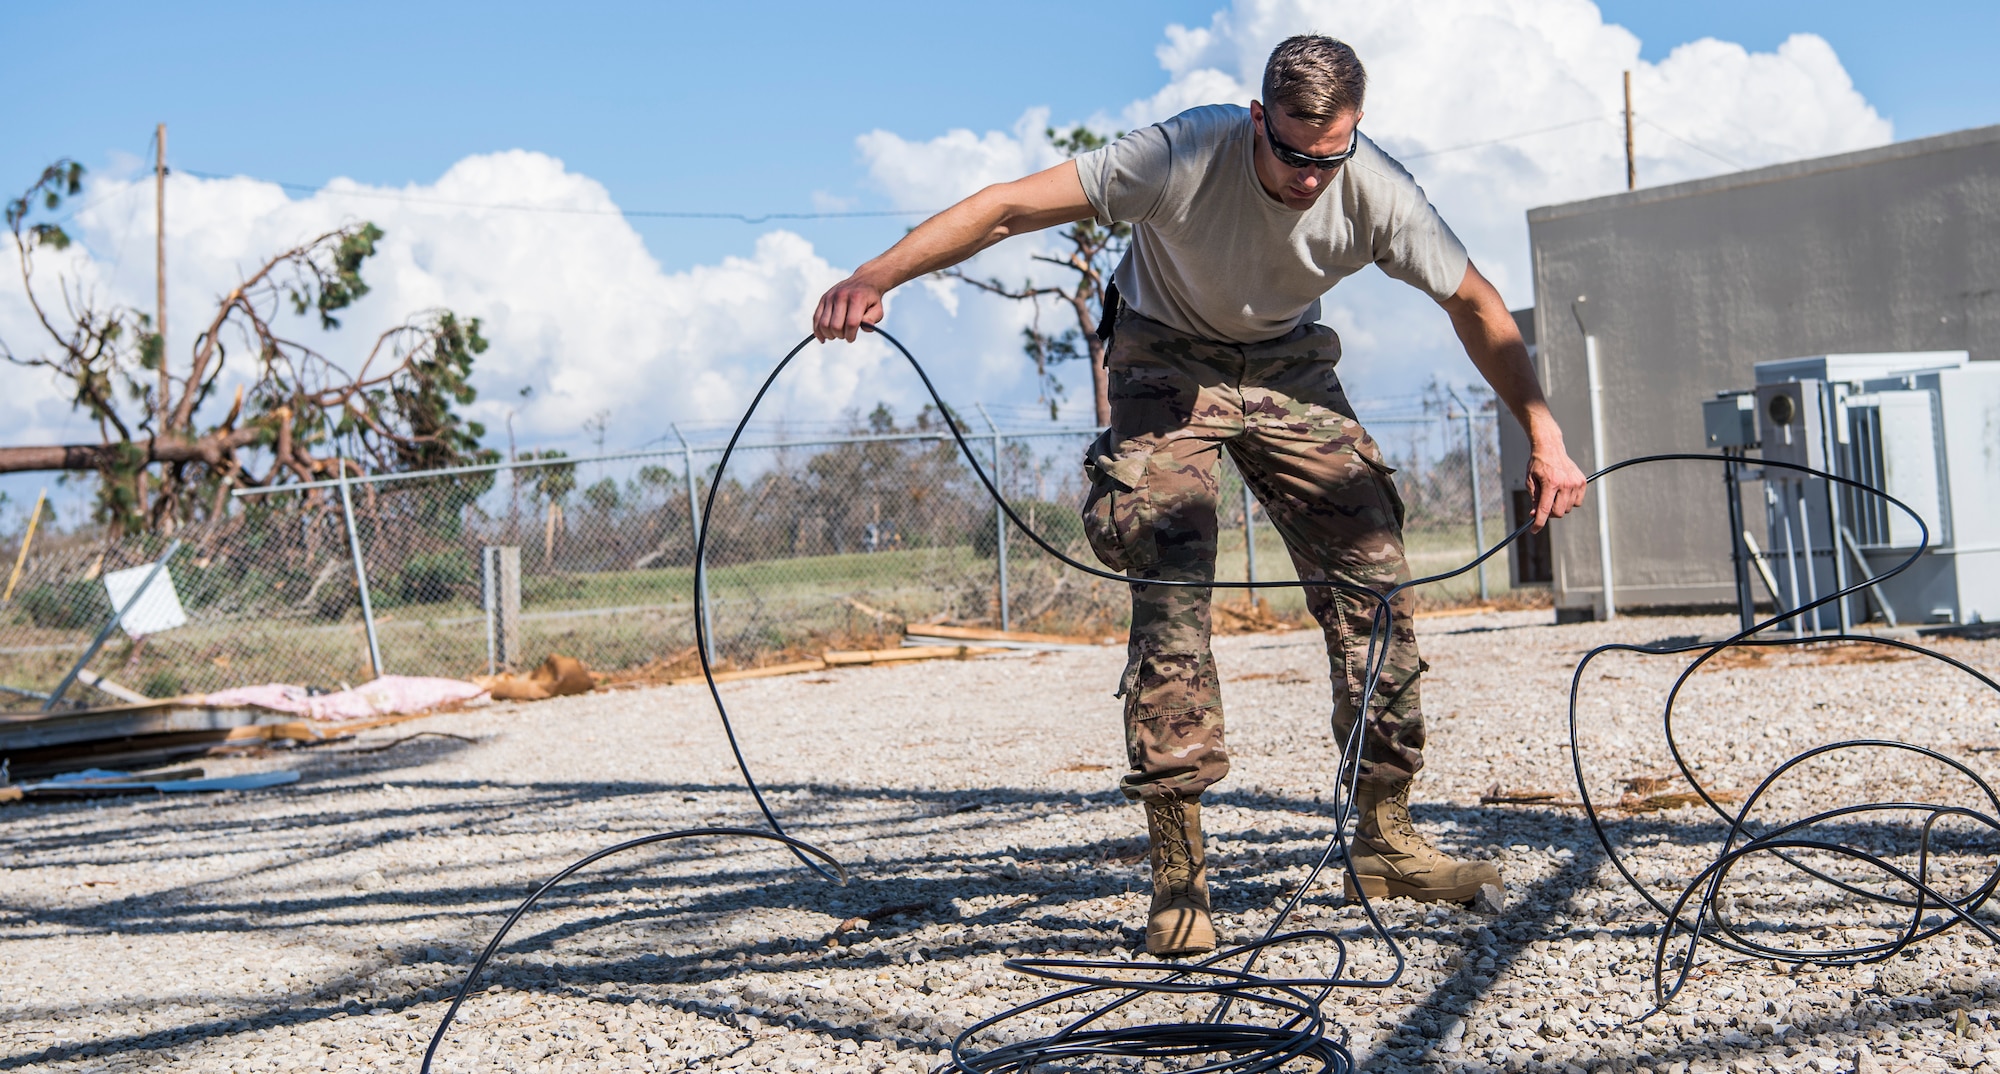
x=322, y=925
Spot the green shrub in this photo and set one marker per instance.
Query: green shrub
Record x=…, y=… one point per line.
x=75, y=605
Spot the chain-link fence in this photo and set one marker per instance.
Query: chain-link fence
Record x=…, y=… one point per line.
x=813, y=544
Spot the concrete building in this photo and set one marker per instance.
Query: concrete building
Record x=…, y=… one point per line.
x=1684, y=288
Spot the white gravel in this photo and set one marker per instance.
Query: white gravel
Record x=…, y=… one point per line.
x=322, y=925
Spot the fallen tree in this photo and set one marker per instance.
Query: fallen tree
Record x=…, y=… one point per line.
x=164, y=456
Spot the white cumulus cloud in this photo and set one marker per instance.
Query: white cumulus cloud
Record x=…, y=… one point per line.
x=577, y=309
x=1464, y=92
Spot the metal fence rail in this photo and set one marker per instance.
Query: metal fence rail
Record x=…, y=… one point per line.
x=813, y=543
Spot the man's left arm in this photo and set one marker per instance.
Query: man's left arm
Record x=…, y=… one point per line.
x=1494, y=344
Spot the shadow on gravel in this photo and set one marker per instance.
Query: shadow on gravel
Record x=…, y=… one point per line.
x=1491, y=629
x=695, y=888
x=1418, y=1035
x=1416, y=1042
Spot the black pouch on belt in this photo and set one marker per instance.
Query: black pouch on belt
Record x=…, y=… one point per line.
x=1107, y=318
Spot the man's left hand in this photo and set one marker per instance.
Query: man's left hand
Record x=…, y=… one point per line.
x=1555, y=483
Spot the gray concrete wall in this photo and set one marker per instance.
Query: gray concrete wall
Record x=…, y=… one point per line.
x=1686, y=286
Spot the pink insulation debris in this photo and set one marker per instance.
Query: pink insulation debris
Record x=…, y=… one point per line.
x=390, y=695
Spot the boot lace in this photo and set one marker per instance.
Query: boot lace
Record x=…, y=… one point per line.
x=1176, y=854
x=1398, y=817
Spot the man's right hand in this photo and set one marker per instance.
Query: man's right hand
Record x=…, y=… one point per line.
x=845, y=307
x=1047, y=198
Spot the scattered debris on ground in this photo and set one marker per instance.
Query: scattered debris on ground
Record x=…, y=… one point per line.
x=930, y=633
x=559, y=676
x=163, y=732
x=98, y=782
x=389, y=695
x=1252, y=616
x=837, y=658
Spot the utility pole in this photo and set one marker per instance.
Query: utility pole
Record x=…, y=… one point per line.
x=160, y=255
x=1631, y=165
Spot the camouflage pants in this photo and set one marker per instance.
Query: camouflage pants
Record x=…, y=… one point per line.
x=1177, y=403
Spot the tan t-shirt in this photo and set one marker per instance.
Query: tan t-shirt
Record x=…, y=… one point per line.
x=1215, y=256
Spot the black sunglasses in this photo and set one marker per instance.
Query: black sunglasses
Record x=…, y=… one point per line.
x=1292, y=158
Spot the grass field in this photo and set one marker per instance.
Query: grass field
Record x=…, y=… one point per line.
x=1430, y=551
x=610, y=619
x=620, y=619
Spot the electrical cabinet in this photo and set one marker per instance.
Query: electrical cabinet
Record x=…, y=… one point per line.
x=1730, y=421
x=1894, y=440
x=1922, y=428
x=1791, y=422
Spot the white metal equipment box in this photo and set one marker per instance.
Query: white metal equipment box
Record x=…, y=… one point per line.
x=1924, y=427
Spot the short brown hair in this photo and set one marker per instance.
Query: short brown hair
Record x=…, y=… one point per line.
x=1314, y=78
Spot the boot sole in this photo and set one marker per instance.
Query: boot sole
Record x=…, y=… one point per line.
x=1194, y=935
x=1380, y=887
x=1180, y=942
x=1180, y=952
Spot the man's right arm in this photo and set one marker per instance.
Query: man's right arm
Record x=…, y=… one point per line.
x=1045, y=199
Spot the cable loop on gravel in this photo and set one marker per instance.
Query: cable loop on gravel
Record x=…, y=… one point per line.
x=1788, y=842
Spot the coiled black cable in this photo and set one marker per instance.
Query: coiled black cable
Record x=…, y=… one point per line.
x=1296, y=1029
x=1790, y=841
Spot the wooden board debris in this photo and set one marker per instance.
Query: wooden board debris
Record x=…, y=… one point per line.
x=958, y=633
x=839, y=658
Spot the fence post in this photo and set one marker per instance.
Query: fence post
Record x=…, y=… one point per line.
x=999, y=518
x=1249, y=538
x=500, y=592
x=1478, y=512
x=694, y=544
x=354, y=546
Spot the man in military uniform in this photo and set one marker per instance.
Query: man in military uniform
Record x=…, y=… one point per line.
x=1241, y=220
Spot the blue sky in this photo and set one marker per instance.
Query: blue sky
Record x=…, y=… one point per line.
x=782, y=107
x=1925, y=65
x=731, y=107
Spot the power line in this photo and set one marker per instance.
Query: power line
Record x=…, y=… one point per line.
x=670, y=214
x=94, y=202
x=1503, y=139
x=1691, y=145
x=760, y=218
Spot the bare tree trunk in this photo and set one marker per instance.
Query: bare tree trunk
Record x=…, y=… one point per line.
x=1100, y=377
x=211, y=449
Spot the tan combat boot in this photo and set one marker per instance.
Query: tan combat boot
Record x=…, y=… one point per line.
x=1392, y=858
x=1178, y=923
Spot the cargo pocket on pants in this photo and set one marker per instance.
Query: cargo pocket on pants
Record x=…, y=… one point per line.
x=1385, y=477
x=1118, y=515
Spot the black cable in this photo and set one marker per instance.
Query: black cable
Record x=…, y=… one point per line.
x=1786, y=842
x=798, y=846
x=1297, y=1028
